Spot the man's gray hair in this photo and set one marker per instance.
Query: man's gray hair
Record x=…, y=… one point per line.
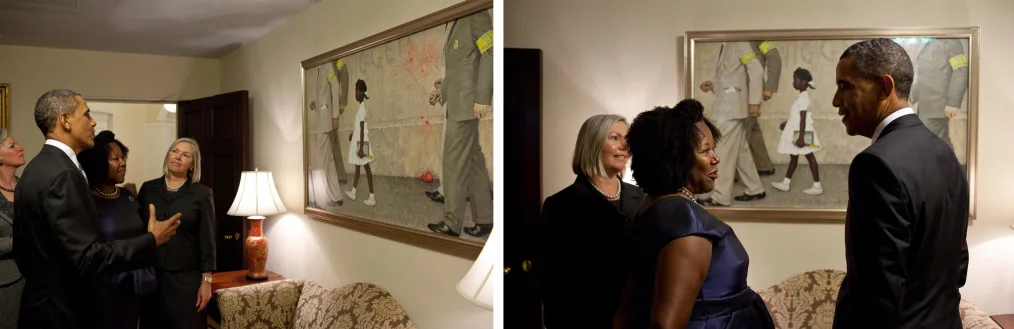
x=50, y=105
x=591, y=139
x=876, y=57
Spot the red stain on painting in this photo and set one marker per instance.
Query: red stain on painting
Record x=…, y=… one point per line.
x=421, y=58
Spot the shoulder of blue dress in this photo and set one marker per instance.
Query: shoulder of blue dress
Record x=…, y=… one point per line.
x=698, y=214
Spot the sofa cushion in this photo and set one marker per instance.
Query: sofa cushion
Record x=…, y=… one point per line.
x=269, y=305
x=354, y=306
x=806, y=300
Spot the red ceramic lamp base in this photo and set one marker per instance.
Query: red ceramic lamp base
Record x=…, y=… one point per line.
x=256, y=250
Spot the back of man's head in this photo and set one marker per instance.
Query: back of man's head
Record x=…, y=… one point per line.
x=876, y=57
x=50, y=105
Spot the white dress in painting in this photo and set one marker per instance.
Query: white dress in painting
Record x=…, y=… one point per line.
x=354, y=144
x=787, y=143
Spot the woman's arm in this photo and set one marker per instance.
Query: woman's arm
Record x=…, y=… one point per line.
x=802, y=123
x=206, y=232
x=626, y=301
x=681, y=269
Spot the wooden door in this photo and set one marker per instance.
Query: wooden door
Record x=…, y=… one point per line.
x=523, y=160
x=221, y=126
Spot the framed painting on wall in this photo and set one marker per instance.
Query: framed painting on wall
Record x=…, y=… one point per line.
x=5, y=106
x=398, y=132
x=728, y=70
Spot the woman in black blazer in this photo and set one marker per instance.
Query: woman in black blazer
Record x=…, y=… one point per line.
x=586, y=228
x=186, y=262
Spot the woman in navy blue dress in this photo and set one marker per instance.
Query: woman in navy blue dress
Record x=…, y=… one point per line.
x=119, y=218
x=689, y=269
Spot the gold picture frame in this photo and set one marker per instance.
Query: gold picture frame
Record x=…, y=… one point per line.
x=5, y=106
x=818, y=50
x=397, y=66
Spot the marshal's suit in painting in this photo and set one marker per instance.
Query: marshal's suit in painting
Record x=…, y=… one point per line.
x=737, y=85
x=942, y=81
x=64, y=263
x=904, y=232
x=468, y=80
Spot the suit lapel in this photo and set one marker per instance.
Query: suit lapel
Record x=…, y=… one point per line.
x=630, y=201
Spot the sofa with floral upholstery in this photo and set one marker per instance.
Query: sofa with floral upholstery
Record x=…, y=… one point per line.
x=807, y=301
x=300, y=304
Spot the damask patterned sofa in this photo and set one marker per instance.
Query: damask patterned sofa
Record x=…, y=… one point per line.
x=807, y=301
x=300, y=304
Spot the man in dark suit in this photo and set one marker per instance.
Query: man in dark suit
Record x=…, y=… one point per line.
x=908, y=202
x=58, y=251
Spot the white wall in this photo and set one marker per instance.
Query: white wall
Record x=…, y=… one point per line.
x=422, y=281
x=136, y=125
x=33, y=71
x=603, y=56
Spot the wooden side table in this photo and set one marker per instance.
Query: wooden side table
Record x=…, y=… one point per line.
x=222, y=280
x=1005, y=321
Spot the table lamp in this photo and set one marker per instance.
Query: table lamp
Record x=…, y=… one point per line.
x=255, y=199
x=481, y=280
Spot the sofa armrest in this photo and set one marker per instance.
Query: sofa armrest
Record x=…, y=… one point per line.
x=269, y=305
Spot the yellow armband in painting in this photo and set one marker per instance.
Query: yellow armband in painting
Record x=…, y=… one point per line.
x=748, y=57
x=330, y=77
x=339, y=64
x=958, y=61
x=485, y=42
x=766, y=46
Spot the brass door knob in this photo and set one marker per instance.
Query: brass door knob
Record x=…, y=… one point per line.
x=506, y=270
x=526, y=265
x=237, y=236
x=228, y=237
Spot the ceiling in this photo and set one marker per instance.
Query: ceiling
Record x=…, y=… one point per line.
x=192, y=28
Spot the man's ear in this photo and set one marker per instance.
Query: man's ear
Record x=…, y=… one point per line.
x=886, y=83
x=63, y=120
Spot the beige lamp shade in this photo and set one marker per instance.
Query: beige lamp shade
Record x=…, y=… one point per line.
x=257, y=196
x=481, y=280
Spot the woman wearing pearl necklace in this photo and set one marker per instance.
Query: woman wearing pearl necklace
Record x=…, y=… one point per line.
x=688, y=268
x=12, y=157
x=187, y=261
x=586, y=226
x=105, y=165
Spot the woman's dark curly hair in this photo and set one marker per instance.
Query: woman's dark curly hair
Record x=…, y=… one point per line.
x=662, y=144
x=95, y=161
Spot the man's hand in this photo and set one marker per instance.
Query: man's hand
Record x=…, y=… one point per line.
x=313, y=105
x=479, y=110
x=334, y=123
x=707, y=86
x=162, y=230
x=203, y=295
x=767, y=95
x=950, y=112
x=350, y=137
x=435, y=97
x=341, y=109
x=436, y=84
x=753, y=110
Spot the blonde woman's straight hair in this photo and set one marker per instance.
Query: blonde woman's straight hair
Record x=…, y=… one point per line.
x=195, y=175
x=591, y=139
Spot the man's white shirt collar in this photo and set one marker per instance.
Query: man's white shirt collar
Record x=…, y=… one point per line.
x=66, y=150
x=890, y=118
